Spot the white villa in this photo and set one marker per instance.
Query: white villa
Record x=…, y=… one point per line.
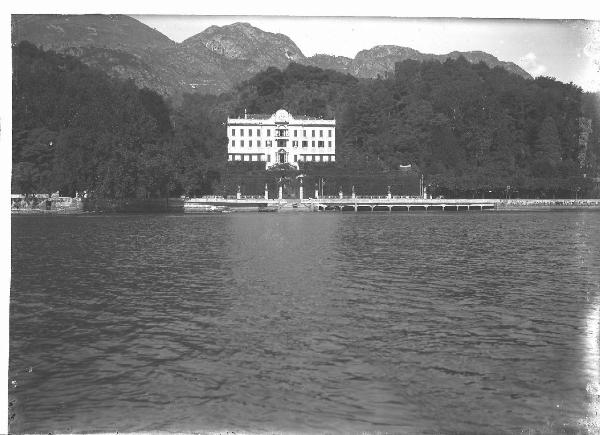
x=281, y=138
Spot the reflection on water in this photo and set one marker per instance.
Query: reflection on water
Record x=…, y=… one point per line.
x=591, y=360
x=308, y=322
x=587, y=256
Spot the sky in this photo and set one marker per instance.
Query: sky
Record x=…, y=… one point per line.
x=568, y=50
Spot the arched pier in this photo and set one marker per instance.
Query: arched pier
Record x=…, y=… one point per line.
x=389, y=204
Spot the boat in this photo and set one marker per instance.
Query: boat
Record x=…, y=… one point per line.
x=268, y=209
x=205, y=208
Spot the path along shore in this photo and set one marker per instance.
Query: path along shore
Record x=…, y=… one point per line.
x=177, y=205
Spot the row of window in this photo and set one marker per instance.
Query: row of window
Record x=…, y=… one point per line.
x=300, y=158
x=282, y=143
x=281, y=133
x=314, y=158
x=249, y=157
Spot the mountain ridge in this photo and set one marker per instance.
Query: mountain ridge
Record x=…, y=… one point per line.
x=212, y=61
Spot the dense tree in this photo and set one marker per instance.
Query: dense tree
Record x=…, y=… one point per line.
x=75, y=129
x=469, y=129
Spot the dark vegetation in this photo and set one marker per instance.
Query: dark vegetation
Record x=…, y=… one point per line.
x=468, y=128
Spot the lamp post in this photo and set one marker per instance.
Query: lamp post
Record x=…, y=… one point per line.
x=301, y=189
x=280, y=188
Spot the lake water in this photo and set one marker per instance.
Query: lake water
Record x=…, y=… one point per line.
x=474, y=322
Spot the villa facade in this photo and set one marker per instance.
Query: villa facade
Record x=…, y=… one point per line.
x=280, y=138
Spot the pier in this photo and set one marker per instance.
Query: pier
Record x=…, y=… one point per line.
x=390, y=203
x=387, y=203
x=367, y=203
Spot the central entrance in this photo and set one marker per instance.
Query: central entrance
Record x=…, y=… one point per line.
x=282, y=156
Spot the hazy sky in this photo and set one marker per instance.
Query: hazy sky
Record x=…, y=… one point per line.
x=566, y=49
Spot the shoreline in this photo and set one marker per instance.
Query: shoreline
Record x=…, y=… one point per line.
x=214, y=205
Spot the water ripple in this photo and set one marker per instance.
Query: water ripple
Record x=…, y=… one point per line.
x=328, y=323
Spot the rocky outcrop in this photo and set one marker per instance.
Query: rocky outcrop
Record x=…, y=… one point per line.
x=245, y=42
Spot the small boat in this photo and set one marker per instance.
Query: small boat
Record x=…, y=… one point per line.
x=268, y=209
x=205, y=208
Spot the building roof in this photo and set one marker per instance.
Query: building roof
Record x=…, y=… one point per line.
x=266, y=116
x=281, y=115
x=258, y=116
x=307, y=118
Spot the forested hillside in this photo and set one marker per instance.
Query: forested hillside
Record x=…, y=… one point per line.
x=468, y=128
x=75, y=129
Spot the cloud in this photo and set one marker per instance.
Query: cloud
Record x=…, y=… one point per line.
x=529, y=63
x=592, y=50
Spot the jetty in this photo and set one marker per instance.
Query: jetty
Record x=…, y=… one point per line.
x=390, y=203
x=365, y=203
x=387, y=203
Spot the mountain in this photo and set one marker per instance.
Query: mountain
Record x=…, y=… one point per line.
x=213, y=61
x=382, y=58
x=118, y=32
x=125, y=48
x=243, y=41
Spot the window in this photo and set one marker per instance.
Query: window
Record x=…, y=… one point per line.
x=310, y=158
x=295, y=143
x=258, y=132
x=230, y=157
x=269, y=143
x=242, y=143
x=241, y=131
x=313, y=143
x=237, y=157
x=295, y=133
x=249, y=144
x=325, y=158
x=329, y=143
x=303, y=133
x=313, y=133
x=332, y=158
x=233, y=143
x=295, y=158
x=321, y=144
x=258, y=143
x=304, y=143
x=329, y=131
x=269, y=158
x=250, y=132
x=320, y=133
x=268, y=132
x=233, y=131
